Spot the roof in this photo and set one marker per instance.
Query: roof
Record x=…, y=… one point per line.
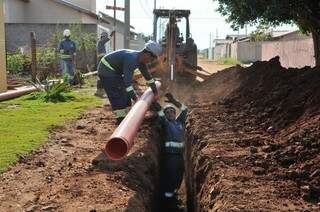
x=236, y=36
x=105, y=16
x=218, y=42
x=279, y=34
x=82, y=10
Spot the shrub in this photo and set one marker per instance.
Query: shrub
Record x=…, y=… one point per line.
x=228, y=61
x=18, y=63
x=53, y=91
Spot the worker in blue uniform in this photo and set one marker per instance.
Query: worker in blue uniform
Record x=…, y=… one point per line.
x=116, y=74
x=172, y=161
x=101, y=52
x=67, y=49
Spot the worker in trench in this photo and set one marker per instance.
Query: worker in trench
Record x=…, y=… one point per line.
x=101, y=52
x=172, y=161
x=67, y=49
x=116, y=71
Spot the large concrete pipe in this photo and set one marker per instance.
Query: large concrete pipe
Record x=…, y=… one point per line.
x=121, y=141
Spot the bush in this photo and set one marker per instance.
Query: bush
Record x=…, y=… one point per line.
x=53, y=91
x=18, y=63
x=45, y=57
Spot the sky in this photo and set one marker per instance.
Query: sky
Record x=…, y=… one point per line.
x=204, y=19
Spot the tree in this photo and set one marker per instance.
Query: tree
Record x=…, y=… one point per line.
x=260, y=34
x=304, y=13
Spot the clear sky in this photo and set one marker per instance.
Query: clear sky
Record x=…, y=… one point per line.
x=203, y=20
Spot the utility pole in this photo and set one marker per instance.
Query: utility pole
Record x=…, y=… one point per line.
x=246, y=29
x=114, y=23
x=210, y=47
x=115, y=8
x=127, y=24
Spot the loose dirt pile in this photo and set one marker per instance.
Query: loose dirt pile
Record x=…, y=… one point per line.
x=69, y=173
x=254, y=140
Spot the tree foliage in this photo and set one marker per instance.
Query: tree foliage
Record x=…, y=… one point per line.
x=304, y=13
x=260, y=34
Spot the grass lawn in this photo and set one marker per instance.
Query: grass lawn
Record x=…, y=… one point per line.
x=25, y=124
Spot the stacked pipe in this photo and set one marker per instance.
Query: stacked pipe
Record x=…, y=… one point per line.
x=121, y=141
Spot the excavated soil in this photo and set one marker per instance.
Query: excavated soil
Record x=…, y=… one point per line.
x=69, y=172
x=254, y=139
x=253, y=142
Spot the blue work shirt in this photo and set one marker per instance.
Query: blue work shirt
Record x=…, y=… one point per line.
x=67, y=48
x=174, y=130
x=123, y=63
x=101, y=49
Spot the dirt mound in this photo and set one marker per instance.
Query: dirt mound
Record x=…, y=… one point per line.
x=254, y=136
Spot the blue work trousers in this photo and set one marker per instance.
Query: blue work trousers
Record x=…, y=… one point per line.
x=67, y=67
x=116, y=92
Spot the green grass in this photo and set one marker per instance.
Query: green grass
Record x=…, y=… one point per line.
x=25, y=123
x=228, y=61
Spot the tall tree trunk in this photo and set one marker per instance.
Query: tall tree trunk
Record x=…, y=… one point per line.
x=316, y=45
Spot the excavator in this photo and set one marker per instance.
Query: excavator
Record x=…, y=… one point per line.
x=180, y=58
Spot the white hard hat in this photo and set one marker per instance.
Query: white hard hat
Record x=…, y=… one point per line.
x=153, y=48
x=66, y=33
x=169, y=106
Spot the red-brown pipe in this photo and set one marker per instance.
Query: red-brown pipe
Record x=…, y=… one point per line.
x=122, y=138
x=16, y=93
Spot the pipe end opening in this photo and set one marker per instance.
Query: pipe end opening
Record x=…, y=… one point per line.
x=116, y=148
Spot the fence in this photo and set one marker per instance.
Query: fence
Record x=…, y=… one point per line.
x=293, y=53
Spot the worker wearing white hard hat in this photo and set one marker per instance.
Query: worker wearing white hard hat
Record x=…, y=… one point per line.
x=116, y=71
x=67, y=49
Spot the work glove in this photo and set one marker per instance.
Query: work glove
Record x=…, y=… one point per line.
x=172, y=100
x=169, y=97
x=154, y=88
x=155, y=106
x=133, y=95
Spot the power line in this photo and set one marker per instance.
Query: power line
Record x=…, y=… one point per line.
x=195, y=18
x=144, y=9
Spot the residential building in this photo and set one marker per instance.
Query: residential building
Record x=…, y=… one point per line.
x=45, y=17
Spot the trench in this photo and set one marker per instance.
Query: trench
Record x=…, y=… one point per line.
x=184, y=199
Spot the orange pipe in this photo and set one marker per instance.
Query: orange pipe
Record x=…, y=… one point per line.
x=121, y=141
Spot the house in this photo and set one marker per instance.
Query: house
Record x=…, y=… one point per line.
x=45, y=17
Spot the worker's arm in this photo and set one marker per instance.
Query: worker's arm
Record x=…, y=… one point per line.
x=60, y=47
x=155, y=106
x=127, y=78
x=101, y=50
x=150, y=81
x=74, y=49
x=183, y=114
x=184, y=110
